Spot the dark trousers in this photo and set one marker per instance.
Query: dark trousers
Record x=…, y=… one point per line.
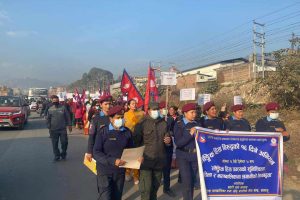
x=55, y=136
x=110, y=186
x=167, y=169
x=149, y=183
x=188, y=171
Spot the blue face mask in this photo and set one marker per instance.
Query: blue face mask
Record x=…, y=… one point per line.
x=118, y=123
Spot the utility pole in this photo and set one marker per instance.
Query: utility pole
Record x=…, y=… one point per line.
x=294, y=41
x=259, y=35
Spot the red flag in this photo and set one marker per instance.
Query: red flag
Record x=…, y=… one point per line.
x=128, y=88
x=151, y=89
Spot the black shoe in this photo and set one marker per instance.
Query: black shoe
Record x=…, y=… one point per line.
x=170, y=193
x=63, y=157
x=57, y=158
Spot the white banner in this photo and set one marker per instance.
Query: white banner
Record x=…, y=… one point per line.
x=187, y=94
x=168, y=78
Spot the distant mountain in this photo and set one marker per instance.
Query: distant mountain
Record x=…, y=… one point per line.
x=93, y=80
x=28, y=83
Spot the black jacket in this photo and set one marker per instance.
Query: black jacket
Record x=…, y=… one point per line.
x=150, y=133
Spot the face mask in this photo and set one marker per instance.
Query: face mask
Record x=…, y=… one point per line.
x=55, y=103
x=154, y=114
x=274, y=115
x=164, y=112
x=97, y=107
x=118, y=123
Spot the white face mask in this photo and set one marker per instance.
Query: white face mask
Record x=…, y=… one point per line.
x=154, y=114
x=274, y=115
x=118, y=123
x=164, y=112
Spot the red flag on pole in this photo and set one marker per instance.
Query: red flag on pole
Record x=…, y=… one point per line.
x=129, y=89
x=151, y=89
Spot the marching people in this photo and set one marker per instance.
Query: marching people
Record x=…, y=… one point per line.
x=152, y=132
x=169, y=150
x=211, y=120
x=271, y=122
x=132, y=117
x=237, y=122
x=78, y=115
x=58, y=118
x=110, y=142
x=186, y=157
x=100, y=120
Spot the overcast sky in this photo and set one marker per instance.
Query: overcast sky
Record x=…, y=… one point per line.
x=60, y=39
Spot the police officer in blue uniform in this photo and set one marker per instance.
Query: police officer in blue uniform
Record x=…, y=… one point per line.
x=186, y=155
x=110, y=142
x=237, y=122
x=97, y=122
x=211, y=120
x=271, y=123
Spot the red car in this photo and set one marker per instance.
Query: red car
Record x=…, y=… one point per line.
x=14, y=112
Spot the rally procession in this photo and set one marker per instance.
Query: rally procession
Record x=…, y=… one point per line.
x=149, y=100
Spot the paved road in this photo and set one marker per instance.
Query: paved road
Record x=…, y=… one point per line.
x=28, y=173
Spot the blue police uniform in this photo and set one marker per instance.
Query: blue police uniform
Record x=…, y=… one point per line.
x=109, y=146
x=96, y=124
x=266, y=124
x=214, y=123
x=186, y=156
x=234, y=124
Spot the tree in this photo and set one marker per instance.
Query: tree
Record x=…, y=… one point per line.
x=284, y=83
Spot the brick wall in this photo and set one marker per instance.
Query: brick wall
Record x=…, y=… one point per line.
x=238, y=73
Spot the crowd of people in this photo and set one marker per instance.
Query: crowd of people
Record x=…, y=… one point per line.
x=166, y=132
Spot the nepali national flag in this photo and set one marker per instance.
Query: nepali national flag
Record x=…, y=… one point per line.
x=151, y=89
x=129, y=89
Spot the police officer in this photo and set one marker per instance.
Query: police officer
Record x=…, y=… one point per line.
x=111, y=140
x=186, y=157
x=211, y=120
x=152, y=132
x=237, y=122
x=271, y=123
x=169, y=150
x=58, y=118
x=100, y=120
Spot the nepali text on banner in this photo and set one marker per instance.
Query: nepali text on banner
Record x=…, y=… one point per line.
x=240, y=165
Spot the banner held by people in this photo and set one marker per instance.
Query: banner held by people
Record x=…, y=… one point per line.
x=240, y=165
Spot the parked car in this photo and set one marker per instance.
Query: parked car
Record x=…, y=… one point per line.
x=14, y=112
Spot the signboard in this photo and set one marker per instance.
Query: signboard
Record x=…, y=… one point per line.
x=187, y=94
x=240, y=165
x=203, y=98
x=168, y=78
x=237, y=100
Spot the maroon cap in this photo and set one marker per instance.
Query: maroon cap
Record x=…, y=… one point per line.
x=189, y=106
x=272, y=106
x=116, y=110
x=105, y=98
x=237, y=107
x=207, y=106
x=162, y=105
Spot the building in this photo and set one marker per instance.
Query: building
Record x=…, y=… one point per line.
x=195, y=77
x=6, y=91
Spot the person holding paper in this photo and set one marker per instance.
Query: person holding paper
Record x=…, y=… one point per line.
x=186, y=153
x=152, y=132
x=237, y=122
x=110, y=142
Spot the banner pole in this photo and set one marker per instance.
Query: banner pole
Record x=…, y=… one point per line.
x=200, y=167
